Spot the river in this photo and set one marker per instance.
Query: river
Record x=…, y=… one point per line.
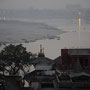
x=52, y=47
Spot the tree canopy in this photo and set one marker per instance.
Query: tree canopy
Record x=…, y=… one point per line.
x=13, y=58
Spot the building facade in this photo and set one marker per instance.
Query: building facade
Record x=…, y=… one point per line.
x=70, y=57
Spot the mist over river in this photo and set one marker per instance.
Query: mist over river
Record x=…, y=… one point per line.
x=18, y=31
x=53, y=34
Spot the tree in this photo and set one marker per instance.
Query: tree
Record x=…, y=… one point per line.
x=14, y=58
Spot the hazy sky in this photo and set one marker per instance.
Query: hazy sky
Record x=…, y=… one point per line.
x=51, y=4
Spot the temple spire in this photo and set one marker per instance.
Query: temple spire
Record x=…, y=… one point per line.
x=41, y=53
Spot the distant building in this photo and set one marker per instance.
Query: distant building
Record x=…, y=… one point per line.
x=73, y=7
x=74, y=59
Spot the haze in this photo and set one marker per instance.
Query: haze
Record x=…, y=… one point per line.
x=41, y=4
